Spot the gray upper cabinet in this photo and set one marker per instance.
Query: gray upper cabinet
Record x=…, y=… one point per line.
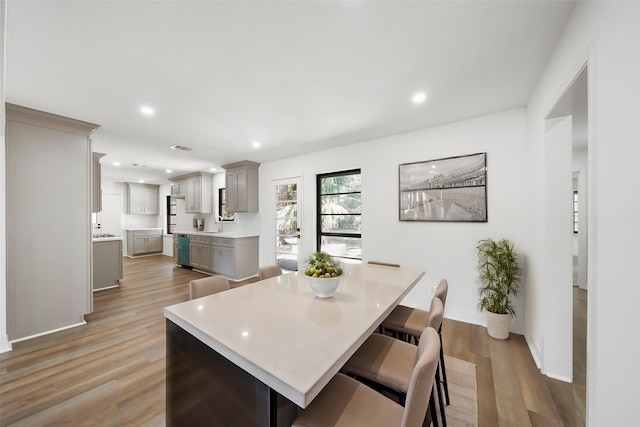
x=142, y=199
x=241, y=183
x=96, y=182
x=196, y=189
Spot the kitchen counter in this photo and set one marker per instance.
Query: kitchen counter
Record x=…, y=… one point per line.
x=144, y=229
x=273, y=335
x=224, y=234
x=105, y=239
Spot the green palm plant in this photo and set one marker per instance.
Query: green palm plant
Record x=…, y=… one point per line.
x=499, y=273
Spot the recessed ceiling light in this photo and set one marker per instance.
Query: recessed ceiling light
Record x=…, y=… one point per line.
x=256, y=144
x=212, y=169
x=141, y=181
x=168, y=171
x=147, y=111
x=419, y=98
x=116, y=163
x=181, y=148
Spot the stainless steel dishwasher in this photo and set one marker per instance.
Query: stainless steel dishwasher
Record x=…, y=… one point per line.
x=183, y=250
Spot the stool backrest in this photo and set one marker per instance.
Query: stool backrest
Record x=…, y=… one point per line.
x=442, y=290
x=207, y=286
x=436, y=313
x=269, y=271
x=421, y=383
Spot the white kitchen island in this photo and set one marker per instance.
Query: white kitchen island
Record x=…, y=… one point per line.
x=245, y=356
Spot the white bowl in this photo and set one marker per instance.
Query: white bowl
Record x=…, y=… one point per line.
x=324, y=288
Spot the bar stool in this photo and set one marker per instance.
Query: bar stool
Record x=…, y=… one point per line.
x=207, y=285
x=410, y=322
x=388, y=362
x=269, y=271
x=345, y=402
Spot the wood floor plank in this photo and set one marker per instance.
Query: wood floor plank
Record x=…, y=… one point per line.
x=111, y=371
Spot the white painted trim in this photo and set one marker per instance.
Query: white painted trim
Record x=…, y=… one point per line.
x=560, y=377
x=5, y=345
x=535, y=352
x=48, y=332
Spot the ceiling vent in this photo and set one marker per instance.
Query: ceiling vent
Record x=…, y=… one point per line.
x=180, y=147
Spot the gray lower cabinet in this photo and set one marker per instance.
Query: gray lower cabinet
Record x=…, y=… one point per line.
x=200, y=252
x=235, y=258
x=107, y=264
x=142, y=242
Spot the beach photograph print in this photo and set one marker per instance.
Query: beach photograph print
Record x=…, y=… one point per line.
x=449, y=189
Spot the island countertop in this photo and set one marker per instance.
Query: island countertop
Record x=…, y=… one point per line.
x=280, y=333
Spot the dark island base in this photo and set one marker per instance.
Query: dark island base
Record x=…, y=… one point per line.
x=206, y=389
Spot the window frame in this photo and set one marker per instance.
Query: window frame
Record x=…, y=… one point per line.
x=171, y=202
x=319, y=214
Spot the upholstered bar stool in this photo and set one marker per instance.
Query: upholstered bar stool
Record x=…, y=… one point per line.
x=345, y=402
x=207, y=285
x=388, y=362
x=410, y=322
x=269, y=271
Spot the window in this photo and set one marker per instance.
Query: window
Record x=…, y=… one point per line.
x=575, y=212
x=222, y=206
x=171, y=215
x=339, y=214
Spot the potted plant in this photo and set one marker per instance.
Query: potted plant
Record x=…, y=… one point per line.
x=324, y=274
x=499, y=273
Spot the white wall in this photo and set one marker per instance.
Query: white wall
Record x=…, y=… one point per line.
x=608, y=35
x=442, y=250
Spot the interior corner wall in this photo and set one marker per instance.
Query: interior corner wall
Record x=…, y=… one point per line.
x=441, y=249
x=607, y=34
x=4, y=338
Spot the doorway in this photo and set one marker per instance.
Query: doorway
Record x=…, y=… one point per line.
x=568, y=157
x=287, y=222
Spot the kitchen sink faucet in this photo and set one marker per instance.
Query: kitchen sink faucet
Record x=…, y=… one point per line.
x=220, y=229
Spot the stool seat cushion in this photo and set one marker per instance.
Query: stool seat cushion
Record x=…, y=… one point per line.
x=345, y=402
x=407, y=320
x=384, y=360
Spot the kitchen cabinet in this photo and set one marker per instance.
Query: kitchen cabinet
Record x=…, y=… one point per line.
x=142, y=199
x=241, y=183
x=143, y=242
x=235, y=258
x=107, y=263
x=200, y=252
x=179, y=190
x=197, y=190
x=47, y=167
x=96, y=182
x=175, y=248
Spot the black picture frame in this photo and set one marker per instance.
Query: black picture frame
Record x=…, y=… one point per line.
x=451, y=189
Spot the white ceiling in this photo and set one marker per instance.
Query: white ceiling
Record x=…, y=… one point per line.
x=298, y=76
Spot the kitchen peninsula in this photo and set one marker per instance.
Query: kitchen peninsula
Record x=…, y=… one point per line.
x=232, y=255
x=251, y=355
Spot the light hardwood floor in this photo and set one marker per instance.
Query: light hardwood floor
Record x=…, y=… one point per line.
x=111, y=372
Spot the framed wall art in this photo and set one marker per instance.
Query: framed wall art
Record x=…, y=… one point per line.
x=449, y=189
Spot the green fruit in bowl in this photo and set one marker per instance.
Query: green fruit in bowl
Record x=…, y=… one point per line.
x=321, y=264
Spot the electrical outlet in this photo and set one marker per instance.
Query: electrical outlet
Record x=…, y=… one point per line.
x=433, y=289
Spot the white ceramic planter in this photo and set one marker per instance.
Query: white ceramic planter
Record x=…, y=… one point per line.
x=324, y=288
x=498, y=325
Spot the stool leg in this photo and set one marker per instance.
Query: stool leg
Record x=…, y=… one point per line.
x=432, y=406
x=444, y=373
x=443, y=416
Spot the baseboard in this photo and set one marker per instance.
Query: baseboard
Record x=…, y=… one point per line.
x=48, y=332
x=533, y=349
x=560, y=378
x=5, y=345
